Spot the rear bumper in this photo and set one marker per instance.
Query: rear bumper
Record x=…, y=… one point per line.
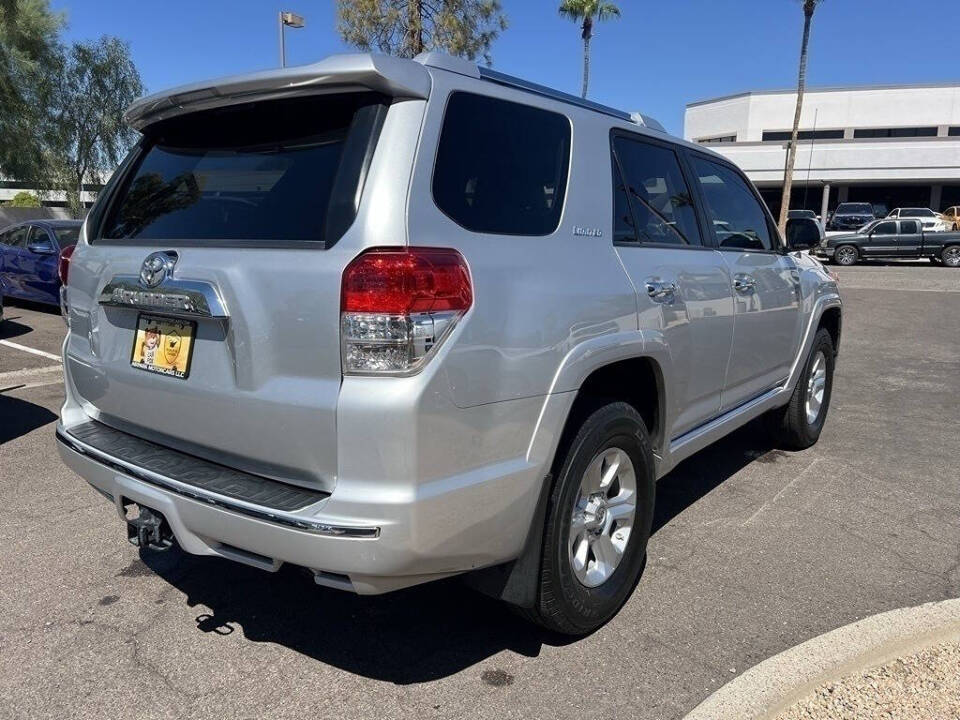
x=386, y=543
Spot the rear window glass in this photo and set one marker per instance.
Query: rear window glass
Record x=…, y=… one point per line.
x=501, y=167
x=255, y=172
x=67, y=236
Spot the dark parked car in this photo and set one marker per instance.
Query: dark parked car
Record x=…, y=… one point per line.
x=892, y=239
x=851, y=216
x=29, y=256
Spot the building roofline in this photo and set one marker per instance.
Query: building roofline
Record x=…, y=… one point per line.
x=833, y=88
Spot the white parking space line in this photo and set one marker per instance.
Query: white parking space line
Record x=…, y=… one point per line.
x=19, y=374
x=41, y=353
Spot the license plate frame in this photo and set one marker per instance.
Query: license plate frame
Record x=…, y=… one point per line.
x=163, y=357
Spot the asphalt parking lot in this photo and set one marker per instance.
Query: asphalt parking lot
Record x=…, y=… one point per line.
x=754, y=551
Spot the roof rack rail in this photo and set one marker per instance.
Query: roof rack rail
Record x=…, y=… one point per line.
x=515, y=82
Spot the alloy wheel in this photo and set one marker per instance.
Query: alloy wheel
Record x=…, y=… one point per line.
x=816, y=386
x=846, y=256
x=951, y=256
x=603, y=516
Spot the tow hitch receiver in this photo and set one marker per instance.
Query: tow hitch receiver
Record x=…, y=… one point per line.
x=149, y=530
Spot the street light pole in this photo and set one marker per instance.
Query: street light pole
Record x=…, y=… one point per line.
x=285, y=18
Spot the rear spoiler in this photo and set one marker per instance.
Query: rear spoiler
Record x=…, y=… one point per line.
x=379, y=73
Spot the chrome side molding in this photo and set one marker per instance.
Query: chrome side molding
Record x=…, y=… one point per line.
x=182, y=298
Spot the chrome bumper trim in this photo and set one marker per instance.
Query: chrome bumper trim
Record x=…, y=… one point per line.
x=278, y=518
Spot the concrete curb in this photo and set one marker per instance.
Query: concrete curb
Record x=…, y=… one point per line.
x=770, y=687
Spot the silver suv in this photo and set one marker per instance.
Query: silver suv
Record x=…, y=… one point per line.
x=395, y=320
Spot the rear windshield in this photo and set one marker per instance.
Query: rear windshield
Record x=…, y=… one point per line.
x=67, y=236
x=856, y=209
x=260, y=172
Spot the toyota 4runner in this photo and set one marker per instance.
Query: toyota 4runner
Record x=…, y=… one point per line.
x=395, y=320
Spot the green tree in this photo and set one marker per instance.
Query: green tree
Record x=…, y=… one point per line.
x=808, y=7
x=588, y=12
x=24, y=199
x=86, y=135
x=28, y=46
x=409, y=27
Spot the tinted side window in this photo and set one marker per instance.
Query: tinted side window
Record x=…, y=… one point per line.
x=909, y=226
x=656, y=194
x=885, y=228
x=67, y=236
x=738, y=219
x=501, y=167
x=18, y=236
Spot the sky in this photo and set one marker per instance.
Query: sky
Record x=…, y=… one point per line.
x=657, y=58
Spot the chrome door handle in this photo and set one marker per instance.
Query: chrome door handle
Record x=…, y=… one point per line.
x=661, y=291
x=744, y=284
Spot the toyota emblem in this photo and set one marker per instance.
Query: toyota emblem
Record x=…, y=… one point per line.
x=156, y=268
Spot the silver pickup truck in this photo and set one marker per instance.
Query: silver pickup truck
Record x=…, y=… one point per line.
x=396, y=320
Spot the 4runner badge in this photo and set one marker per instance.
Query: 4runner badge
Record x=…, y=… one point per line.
x=587, y=232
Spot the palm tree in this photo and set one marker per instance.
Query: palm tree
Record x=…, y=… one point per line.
x=587, y=12
x=808, y=7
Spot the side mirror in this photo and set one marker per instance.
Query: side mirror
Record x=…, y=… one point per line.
x=796, y=244
x=42, y=247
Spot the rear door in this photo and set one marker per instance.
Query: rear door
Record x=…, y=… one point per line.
x=765, y=281
x=683, y=283
x=205, y=305
x=910, y=238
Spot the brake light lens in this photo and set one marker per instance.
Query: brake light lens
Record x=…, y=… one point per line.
x=398, y=305
x=63, y=267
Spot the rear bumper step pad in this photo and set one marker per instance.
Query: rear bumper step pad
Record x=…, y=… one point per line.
x=188, y=470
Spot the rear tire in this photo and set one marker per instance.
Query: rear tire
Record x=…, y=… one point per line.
x=951, y=256
x=797, y=425
x=846, y=255
x=589, y=565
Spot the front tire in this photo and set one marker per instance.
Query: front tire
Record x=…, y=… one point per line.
x=846, y=255
x=598, y=523
x=798, y=425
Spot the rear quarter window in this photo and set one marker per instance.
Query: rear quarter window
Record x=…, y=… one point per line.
x=501, y=167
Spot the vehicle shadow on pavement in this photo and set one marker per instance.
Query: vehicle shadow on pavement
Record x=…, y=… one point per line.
x=10, y=328
x=18, y=417
x=410, y=636
x=711, y=467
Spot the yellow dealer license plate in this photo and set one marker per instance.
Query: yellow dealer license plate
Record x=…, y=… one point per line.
x=163, y=345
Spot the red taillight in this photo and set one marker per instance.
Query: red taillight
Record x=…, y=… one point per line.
x=406, y=280
x=63, y=268
x=397, y=305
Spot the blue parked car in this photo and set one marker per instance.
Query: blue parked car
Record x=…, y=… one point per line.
x=29, y=257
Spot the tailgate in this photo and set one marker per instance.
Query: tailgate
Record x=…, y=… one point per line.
x=204, y=312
